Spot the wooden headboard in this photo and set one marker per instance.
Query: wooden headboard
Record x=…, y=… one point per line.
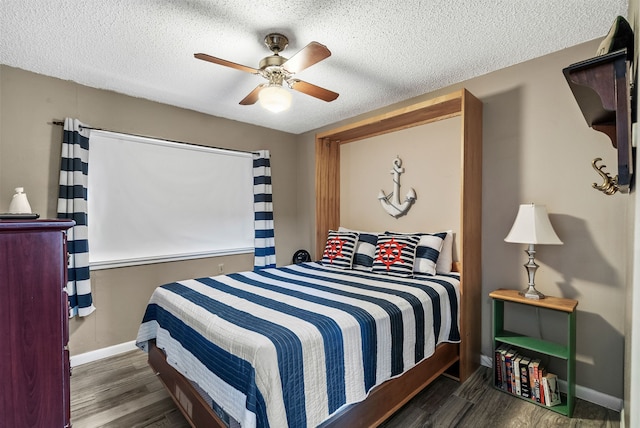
x=460, y=103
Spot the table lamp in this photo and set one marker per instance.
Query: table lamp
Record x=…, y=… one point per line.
x=532, y=226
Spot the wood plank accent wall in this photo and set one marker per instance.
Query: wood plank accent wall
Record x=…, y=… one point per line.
x=460, y=103
x=327, y=190
x=470, y=237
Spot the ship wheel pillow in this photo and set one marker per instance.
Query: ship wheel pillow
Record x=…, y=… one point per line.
x=395, y=254
x=339, y=249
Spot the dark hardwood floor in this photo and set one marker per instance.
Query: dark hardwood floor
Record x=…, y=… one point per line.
x=123, y=392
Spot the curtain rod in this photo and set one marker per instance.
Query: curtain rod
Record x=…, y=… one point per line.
x=61, y=123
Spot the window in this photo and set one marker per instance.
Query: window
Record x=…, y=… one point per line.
x=153, y=201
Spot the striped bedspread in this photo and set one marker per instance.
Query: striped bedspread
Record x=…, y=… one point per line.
x=290, y=346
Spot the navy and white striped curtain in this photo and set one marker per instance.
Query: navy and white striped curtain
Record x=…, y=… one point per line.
x=265, y=244
x=72, y=204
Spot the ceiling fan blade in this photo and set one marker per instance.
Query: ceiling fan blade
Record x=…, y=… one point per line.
x=313, y=90
x=312, y=53
x=252, y=97
x=226, y=63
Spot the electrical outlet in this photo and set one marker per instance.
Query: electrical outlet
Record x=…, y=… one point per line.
x=221, y=268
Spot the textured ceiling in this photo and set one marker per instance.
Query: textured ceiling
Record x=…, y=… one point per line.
x=382, y=51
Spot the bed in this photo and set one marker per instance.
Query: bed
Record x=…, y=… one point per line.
x=407, y=365
x=294, y=345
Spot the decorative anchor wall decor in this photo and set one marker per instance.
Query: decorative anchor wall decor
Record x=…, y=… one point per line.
x=391, y=203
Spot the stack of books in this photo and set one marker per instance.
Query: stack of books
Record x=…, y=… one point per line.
x=525, y=377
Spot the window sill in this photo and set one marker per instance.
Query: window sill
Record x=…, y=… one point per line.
x=110, y=264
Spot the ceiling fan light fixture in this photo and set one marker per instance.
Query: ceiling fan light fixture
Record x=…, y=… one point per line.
x=275, y=98
x=278, y=70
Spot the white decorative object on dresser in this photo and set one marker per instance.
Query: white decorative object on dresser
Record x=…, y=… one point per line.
x=19, y=202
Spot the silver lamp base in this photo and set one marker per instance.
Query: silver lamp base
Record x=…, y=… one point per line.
x=531, y=267
x=531, y=293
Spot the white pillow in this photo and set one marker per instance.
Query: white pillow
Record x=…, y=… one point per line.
x=445, y=259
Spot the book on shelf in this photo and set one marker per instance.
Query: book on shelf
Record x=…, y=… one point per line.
x=541, y=373
x=534, y=381
x=524, y=377
x=551, y=390
x=508, y=363
x=516, y=374
x=499, y=364
x=503, y=368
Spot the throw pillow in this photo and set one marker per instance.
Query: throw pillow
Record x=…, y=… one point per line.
x=339, y=249
x=395, y=254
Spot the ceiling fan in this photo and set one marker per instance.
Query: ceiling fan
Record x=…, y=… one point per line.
x=278, y=70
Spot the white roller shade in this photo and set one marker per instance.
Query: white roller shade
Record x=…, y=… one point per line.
x=153, y=200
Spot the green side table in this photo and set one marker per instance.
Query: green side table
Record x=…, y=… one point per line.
x=566, y=352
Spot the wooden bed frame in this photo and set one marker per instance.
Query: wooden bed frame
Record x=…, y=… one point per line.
x=459, y=360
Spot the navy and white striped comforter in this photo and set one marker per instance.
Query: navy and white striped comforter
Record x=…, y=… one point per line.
x=290, y=346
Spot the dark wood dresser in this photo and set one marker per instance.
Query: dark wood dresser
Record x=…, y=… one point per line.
x=34, y=359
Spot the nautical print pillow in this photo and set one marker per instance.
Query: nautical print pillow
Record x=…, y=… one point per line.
x=339, y=249
x=427, y=252
x=395, y=254
x=365, y=249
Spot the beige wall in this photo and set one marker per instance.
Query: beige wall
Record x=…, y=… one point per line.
x=431, y=167
x=538, y=148
x=30, y=150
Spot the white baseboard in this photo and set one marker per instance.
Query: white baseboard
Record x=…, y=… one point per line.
x=486, y=361
x=596, y=397
x=98, y=354
x=584, y=393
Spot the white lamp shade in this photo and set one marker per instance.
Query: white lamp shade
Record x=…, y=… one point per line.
x=532, y=226
x=274, y=98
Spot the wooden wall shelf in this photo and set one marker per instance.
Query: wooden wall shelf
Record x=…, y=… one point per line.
x=601, y=88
